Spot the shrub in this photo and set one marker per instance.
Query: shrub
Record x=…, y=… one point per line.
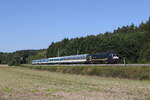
x=140, y=73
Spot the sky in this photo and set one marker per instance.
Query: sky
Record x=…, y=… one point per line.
x=35, y=24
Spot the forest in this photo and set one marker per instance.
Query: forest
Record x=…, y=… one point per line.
x=131, y=42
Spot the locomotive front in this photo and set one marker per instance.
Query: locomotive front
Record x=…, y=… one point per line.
x=103, y=58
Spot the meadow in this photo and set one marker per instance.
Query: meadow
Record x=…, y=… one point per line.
x=18, y=83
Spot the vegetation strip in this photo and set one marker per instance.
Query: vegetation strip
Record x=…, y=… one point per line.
x=140, y=73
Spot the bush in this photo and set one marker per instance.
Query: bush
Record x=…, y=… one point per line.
x=140, y=73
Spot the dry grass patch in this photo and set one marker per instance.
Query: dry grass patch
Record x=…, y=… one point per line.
x=26, y=84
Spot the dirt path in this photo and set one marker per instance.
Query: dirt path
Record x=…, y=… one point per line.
x=27, y=84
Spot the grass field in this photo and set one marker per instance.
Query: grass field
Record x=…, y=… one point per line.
x=25, y=84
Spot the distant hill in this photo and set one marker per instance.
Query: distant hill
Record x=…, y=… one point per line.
x=21, y=57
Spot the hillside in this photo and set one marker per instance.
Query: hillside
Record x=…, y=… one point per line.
x=130, y=42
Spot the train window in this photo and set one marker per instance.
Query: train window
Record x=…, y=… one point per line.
x=110, y=55
x=114, y=55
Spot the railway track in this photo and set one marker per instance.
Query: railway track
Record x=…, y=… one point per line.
x=147, y=65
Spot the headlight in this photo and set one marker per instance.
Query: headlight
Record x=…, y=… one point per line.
x=115, y=57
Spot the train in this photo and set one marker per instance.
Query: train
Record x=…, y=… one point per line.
x=107, y=58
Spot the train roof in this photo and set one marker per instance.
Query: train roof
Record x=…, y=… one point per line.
x=103, y=53
x=40, y=59
x=81, y=55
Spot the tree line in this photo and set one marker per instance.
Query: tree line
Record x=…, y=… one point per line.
x=21, y=57
x=130, y=42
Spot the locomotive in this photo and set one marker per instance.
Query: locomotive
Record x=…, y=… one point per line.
x=107, y=58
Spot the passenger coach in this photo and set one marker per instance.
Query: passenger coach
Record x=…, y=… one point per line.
x=108, y=58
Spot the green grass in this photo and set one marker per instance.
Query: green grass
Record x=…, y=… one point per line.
x=147, y=98
x=140, y=73
x=7, y=89
x=18, y=83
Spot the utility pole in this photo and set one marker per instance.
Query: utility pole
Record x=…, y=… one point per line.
x=58, y=52
x=124, y=60
x=77, y=51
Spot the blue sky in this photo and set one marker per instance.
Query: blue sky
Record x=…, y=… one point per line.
x=34, y=24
